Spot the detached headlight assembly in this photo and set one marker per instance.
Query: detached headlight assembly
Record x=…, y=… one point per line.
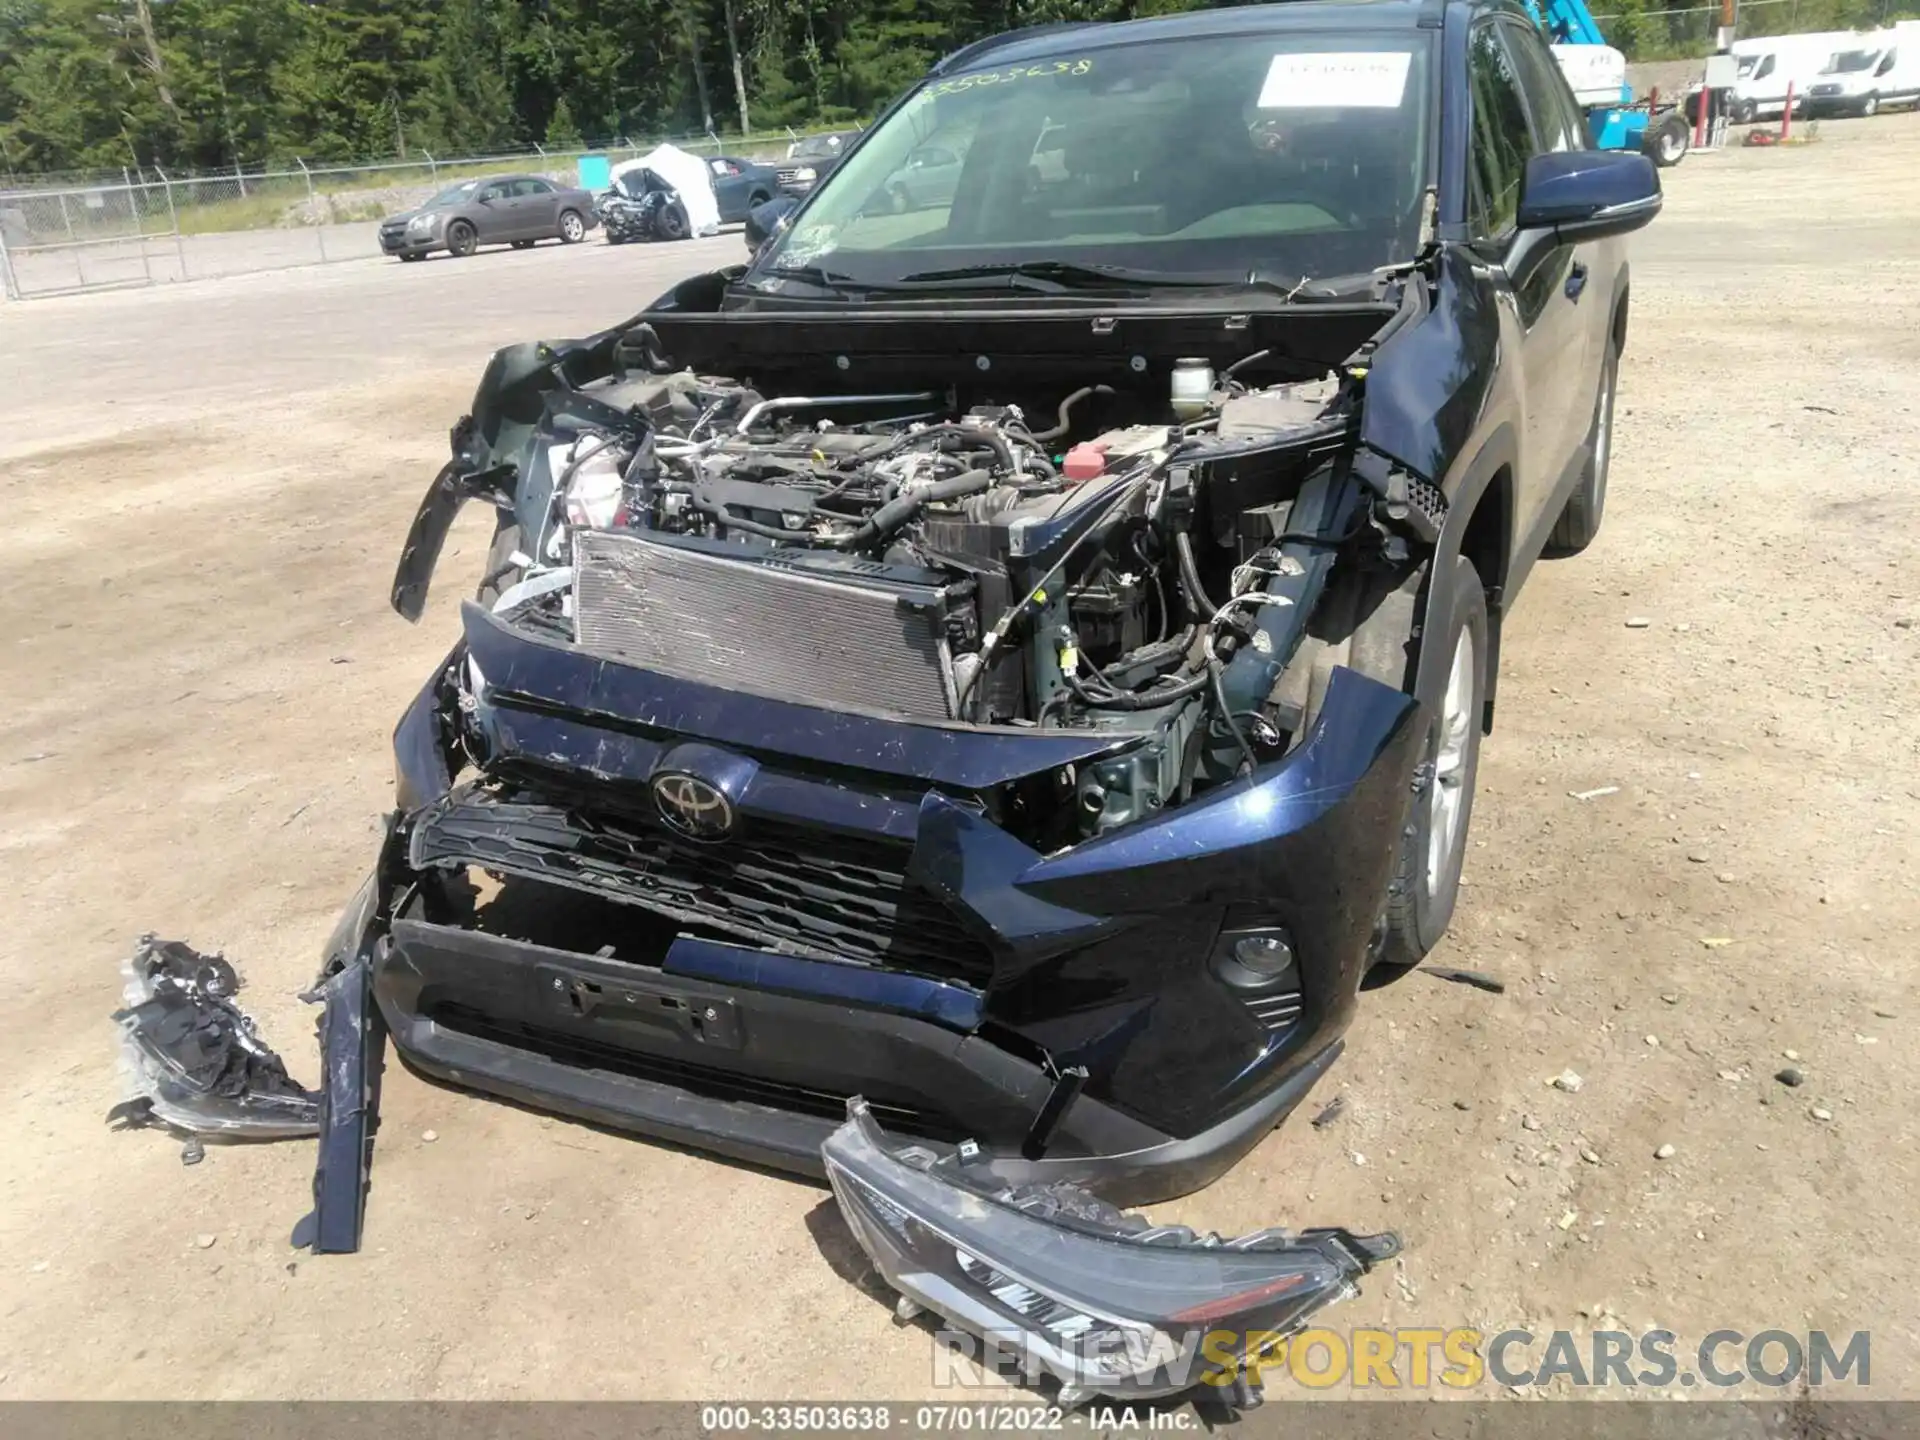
x=1057, y=1281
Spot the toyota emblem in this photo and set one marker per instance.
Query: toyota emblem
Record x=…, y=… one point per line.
x=692, y=807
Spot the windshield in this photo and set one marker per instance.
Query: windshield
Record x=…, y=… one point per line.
x=815, y=146
x=453, y=195
x=1291, y=155
x=1852, y=62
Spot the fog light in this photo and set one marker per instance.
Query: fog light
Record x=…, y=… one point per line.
x=1267, y=955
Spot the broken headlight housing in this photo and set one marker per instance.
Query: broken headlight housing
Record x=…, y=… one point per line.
x=1057, y=1282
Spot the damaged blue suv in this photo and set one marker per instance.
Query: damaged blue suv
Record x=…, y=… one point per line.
x=1009, y=668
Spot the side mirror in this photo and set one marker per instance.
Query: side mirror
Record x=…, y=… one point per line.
x=767, y=220
x=1589, y=194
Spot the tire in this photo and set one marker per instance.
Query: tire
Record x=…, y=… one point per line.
x=461, y=239
x=1743, y=112
x=572, y=228
x=1667, y=146
x=1870, y=106
x=1587, y=505
x=1433, y=843
x=671, y=222
x=756, y=200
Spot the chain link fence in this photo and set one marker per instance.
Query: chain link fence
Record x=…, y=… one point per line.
x=148, y=227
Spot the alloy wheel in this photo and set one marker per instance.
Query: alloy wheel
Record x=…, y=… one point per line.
x=1446, y=795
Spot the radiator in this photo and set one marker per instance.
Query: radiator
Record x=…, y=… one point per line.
x=764, y=628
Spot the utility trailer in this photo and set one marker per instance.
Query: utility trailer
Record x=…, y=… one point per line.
x=1598, y=74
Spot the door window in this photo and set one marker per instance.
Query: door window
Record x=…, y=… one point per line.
x=492, y=192
x=1502, y=139
x=1766, y=69
x=1557, y=118
x=1886, y=64
x=532, y=187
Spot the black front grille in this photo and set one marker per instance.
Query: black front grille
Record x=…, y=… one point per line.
x=803, y=891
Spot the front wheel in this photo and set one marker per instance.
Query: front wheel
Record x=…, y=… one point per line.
x=671, y=222
x=1433, y=842
x=572, y=228
x=1744, y=111
x=1870, y=106
x=461, y=239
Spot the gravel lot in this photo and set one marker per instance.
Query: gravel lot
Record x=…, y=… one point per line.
x=209, y=485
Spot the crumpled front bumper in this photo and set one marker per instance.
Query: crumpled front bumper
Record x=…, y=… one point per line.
x=1056, y=1282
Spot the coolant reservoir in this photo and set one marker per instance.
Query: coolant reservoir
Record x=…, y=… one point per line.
x=1192, y=387
x=596, y=489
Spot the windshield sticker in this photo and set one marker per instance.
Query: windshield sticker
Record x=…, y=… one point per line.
x=1354, y=80
x=1046, y=70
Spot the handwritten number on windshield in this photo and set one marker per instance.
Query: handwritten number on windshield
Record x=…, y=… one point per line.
x=962, y=83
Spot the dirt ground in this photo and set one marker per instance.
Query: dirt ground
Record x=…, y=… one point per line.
x=206, y=488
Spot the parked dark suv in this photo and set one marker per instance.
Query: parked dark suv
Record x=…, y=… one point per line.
x=982, y=756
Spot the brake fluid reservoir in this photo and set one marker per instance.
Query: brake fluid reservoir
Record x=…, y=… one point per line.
x=1192, y=387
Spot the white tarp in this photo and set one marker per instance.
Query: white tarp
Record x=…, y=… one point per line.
x=686, y=173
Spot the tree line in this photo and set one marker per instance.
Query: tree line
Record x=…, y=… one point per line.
x=208, y=84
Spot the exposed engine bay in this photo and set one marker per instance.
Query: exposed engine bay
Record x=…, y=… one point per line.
x=1094, y=560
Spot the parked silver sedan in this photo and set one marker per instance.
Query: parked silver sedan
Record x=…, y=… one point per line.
x=515, y=210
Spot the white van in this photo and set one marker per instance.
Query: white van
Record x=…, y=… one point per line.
x=1881, y=69
x=1770, y=64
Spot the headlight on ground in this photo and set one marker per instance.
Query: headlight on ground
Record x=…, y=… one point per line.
x=1056, y=1281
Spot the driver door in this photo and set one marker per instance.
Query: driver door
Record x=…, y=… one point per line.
x=1543, y=306
x=493, y=212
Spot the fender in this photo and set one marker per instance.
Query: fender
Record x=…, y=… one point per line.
x=1465, y=489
